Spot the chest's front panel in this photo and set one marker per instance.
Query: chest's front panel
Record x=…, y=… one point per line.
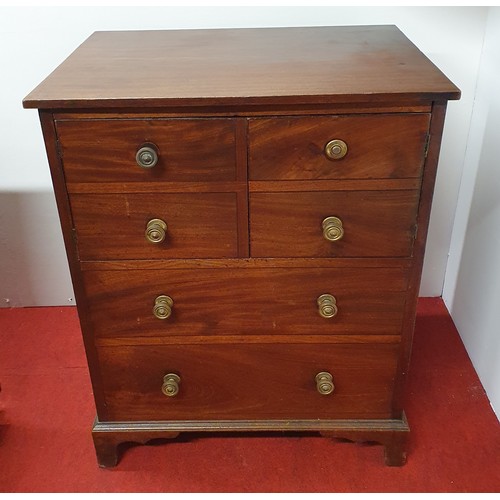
x=247, y=261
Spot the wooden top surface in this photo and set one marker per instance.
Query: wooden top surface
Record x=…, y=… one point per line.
x=242, y=66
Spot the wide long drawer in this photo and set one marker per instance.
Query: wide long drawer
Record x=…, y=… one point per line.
x=155, y=225
x=239, y=381
x=212, y=302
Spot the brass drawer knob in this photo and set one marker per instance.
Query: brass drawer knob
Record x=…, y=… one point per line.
x=324, y=383
x=147, y=156
x=163, y=307
x=171, y=383
x=327, y=305
x=335, y=149
x=333, y=230
x=156, y=230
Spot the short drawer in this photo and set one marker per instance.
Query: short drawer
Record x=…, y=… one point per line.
x=129, y=226
x=378, y=146
x=246, y=381
x=250, y=302
x=333, y=224
x=187, y=150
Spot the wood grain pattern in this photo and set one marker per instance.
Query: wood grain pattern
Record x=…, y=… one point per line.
x=189, y=150
x=113, y=226
x=392, y=433
x=424, y=212
x=379, y=146
x=241, y=118
x=246, y=301
x=376, y=223
x=249, y=339
x=160, y=187
x=242, y=194
x=251, y=381
x=241, y=186
x=414, y=106
x=294, y=186
x=251, y=263
x=347, y=64
x=64, y=211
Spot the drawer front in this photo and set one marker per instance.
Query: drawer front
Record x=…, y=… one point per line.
x=211, y=302
x=114, y=226
x=188, y=150
x=374, y=223
x=247, y=381
x=378, y=146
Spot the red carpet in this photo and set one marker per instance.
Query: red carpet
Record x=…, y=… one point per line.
x=47, y=403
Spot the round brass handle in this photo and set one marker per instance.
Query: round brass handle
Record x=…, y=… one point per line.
x=324, y=383
x=156, y=230
x=147, y=156
x=327, y=306
x=171, y=382
x=335, y=149
x=163, y=306
x=333, y=230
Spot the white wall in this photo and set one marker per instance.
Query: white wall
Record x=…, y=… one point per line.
x=33, y=41
x=472, y=286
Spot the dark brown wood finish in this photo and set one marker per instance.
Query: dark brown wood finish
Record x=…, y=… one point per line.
x=251, y=381
x=379, y=146
x=65, y=218
x=245, y=110
x=243, y=184
x=393, y=434
x=430, y=169
x=188, y=150
x=242, y=187
x=112, y=226
x=208, y=340
x=376, y=223
x=242, y=194
x=246, y=302
x=342, y=64
x=250, y=263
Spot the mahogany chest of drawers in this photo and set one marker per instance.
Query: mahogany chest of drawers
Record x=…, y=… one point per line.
x=245, y=214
